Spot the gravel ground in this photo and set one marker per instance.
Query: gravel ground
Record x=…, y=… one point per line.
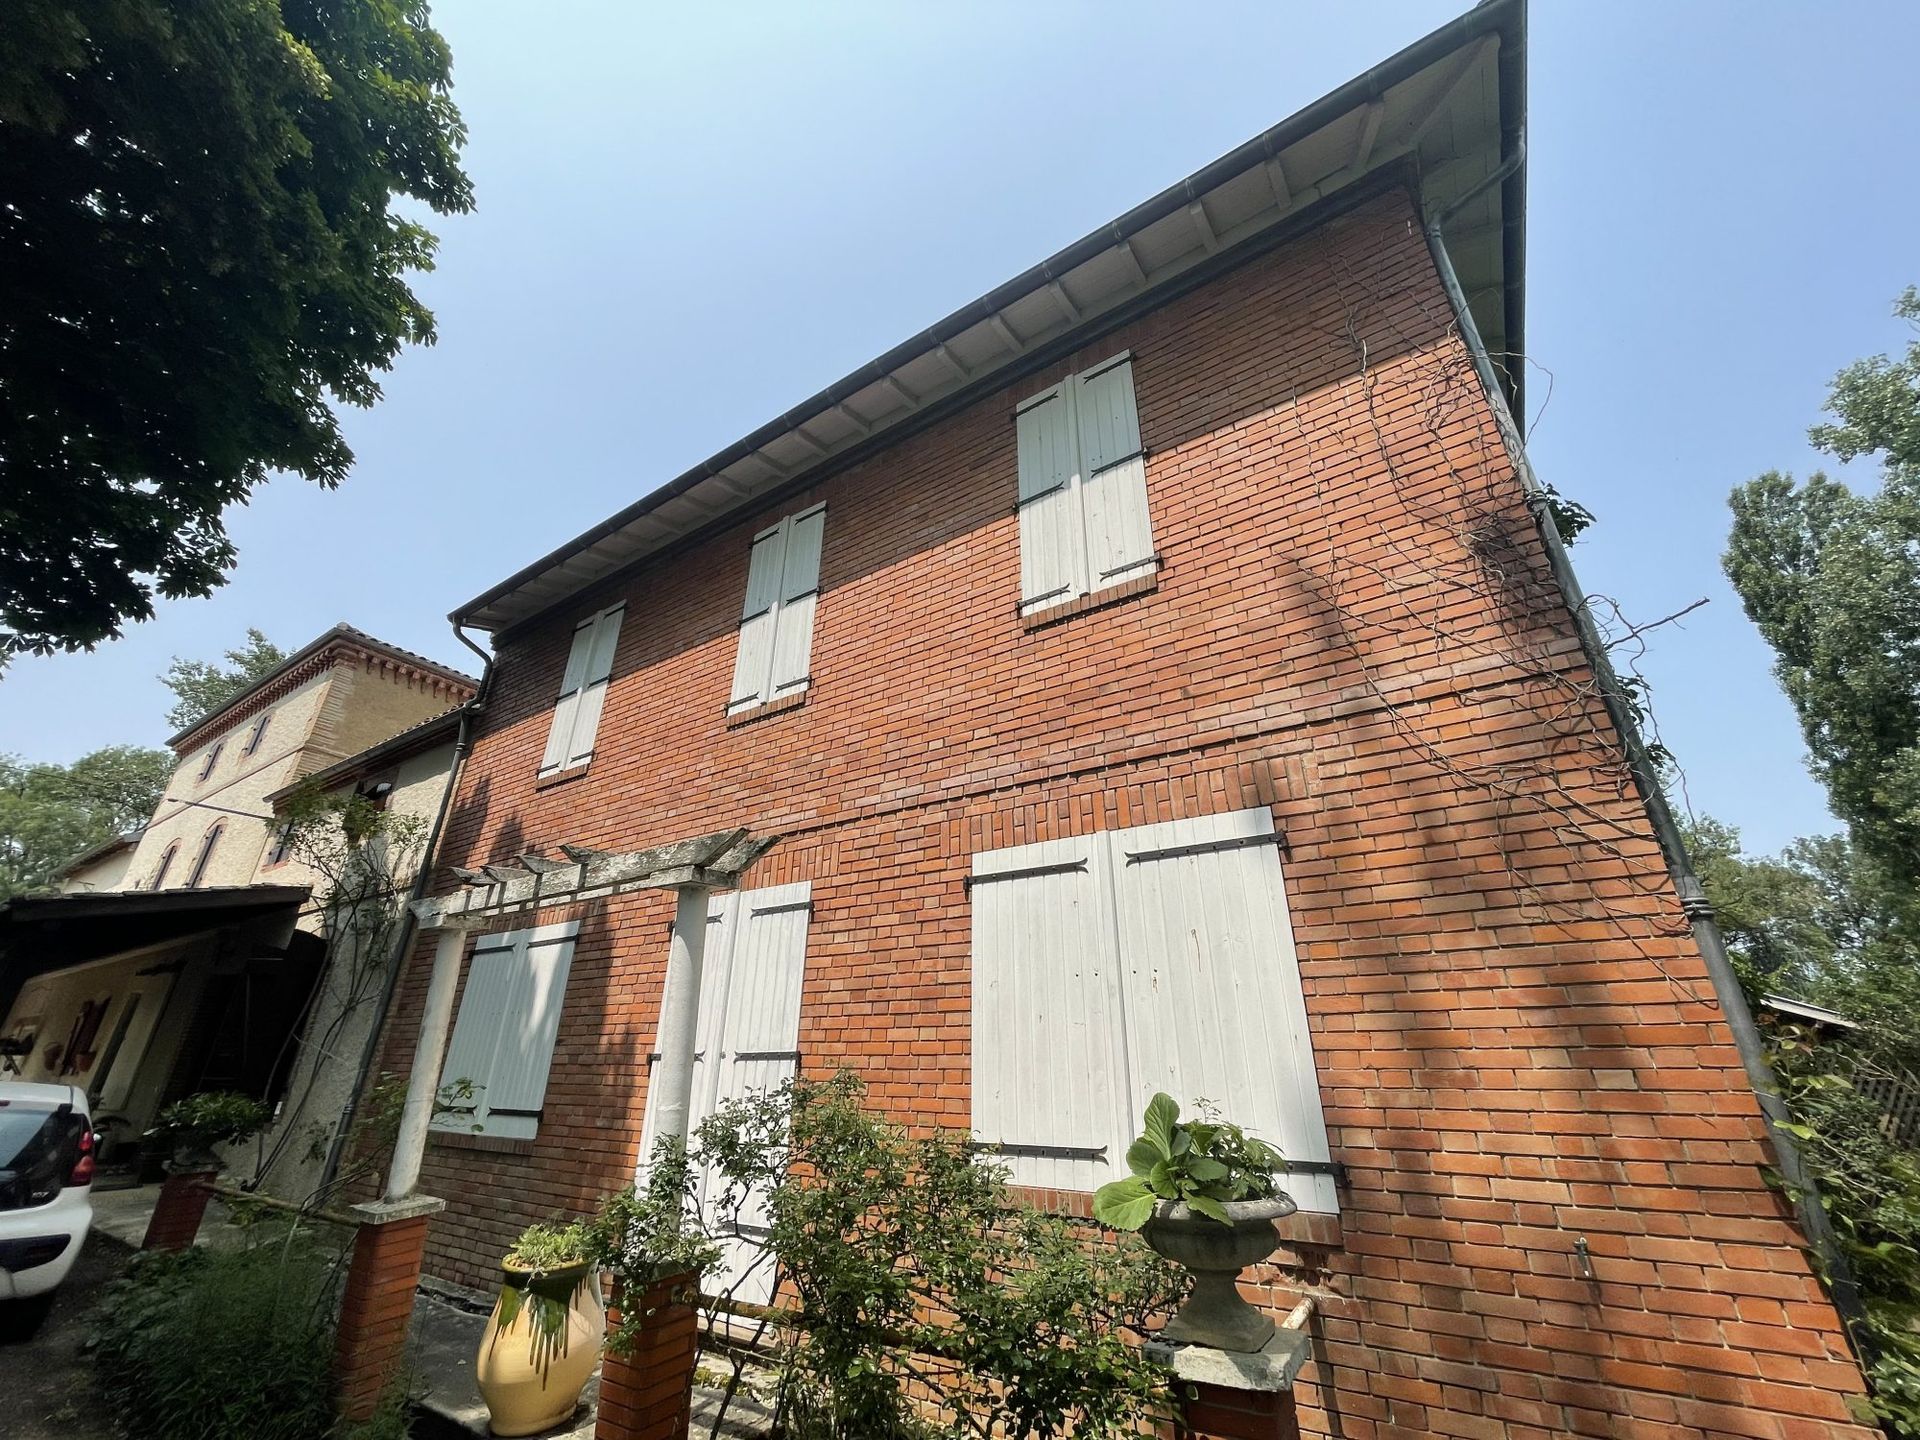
x=47, y=1390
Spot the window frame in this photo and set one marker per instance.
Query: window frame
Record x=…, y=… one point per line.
x=582, y=643
x=1135, y=978
x=205, y=856
x=779, y=609
x=167, y=857
x=213, y=758
x=490, y=1032
x=1084, y=583
x=256, y=735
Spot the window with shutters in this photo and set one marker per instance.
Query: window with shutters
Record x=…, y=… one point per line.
x=257, y=734
x=213, y=758
x=748, y=1043
x=776, y=621
x=205, y=857
x=1083, y=488
x=583, y=693
x=1109, y=966
x=166, y=864
x=502, y=1043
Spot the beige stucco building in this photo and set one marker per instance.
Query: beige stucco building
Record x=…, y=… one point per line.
x=190, y=956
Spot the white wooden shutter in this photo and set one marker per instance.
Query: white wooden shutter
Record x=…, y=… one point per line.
x=758, y=1051
x=1052, y=542
x=593, y=695
x=1047, y=1091
x=517, y=1085
x=799, y=593
x=1211, y=984
x=583, y=692
x=713, y=990
x=503, y=1036
x=1113, y=476
x=753, y=664
x=476, y=1029
x=753, y=968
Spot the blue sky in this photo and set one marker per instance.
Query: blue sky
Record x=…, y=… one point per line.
x=691, y=218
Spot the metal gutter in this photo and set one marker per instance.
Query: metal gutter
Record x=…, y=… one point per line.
x=1693, y=899
x=1506, y=18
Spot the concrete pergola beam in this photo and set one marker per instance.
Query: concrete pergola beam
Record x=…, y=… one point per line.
x=708, y=862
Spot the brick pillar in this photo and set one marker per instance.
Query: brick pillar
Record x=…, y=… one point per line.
x=177, y=1214
x=377, y=1304
x=1231, y=1395
x=647, y=1394
x=1219, y=1412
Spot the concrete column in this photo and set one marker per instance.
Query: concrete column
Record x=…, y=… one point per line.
x=423, y=1083
x=377, y=1304
x=680, y=1017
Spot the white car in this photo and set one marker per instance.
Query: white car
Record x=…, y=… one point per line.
x=46, y=1197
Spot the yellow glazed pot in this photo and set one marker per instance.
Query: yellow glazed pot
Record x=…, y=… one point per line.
x=540, y=1345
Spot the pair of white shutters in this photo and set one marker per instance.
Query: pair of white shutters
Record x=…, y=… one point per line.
x=1110, y=966
x=503, y=1038
x=776, y=622
x=748, y=1042
x=583, y=692
x=1083, y=488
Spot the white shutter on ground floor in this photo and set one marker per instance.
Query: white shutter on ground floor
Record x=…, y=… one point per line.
x=503, y=1036
x=1110, y=966
x=749, y=1027
x=1046, y=1015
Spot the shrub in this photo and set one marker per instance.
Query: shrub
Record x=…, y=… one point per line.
x=199, y=1122
x=649, y=1233
x=928, y=1299
x=222, y=1344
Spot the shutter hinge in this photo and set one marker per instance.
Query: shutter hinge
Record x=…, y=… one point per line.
x=1063, y=868
x=1208, y=847
x=1045, y=1152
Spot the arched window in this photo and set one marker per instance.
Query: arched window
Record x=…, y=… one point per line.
x=166, y=864
x=206, y=854
x=255, y=735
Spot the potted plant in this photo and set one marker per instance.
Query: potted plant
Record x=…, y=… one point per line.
x=543, y=1338
x=188, y=1130
x=1204, y=1195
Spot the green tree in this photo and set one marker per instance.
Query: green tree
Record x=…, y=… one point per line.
x=201, y=687
x=1831, y=577
x=51, y=813
x=201, y=253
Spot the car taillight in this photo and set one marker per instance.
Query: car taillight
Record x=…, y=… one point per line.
x=82, y=1172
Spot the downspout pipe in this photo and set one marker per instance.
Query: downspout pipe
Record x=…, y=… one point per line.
x=1693, y=898
x=396, y=959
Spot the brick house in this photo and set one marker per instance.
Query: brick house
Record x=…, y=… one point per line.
x=1161, y=675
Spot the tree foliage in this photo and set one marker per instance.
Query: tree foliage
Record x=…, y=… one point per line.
x=1831, y=577
x=202, y=253
x=51, y=813
x=200, y=687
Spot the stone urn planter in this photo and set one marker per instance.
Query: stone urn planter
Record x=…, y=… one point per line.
x=540, y=1346
x=1215, y=1254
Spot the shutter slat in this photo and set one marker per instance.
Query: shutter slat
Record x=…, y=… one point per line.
x=1052, y=558
x=1119, y=530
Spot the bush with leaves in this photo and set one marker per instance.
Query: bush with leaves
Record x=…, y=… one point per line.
x=190, y=1128
x=207, y=1344
x=929, y=1302
x=1870, y=1188
x=648, y=1233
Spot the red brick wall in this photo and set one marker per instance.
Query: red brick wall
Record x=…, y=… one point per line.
x=1518, y=1046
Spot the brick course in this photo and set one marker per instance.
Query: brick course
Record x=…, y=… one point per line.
x=1517, y=1043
